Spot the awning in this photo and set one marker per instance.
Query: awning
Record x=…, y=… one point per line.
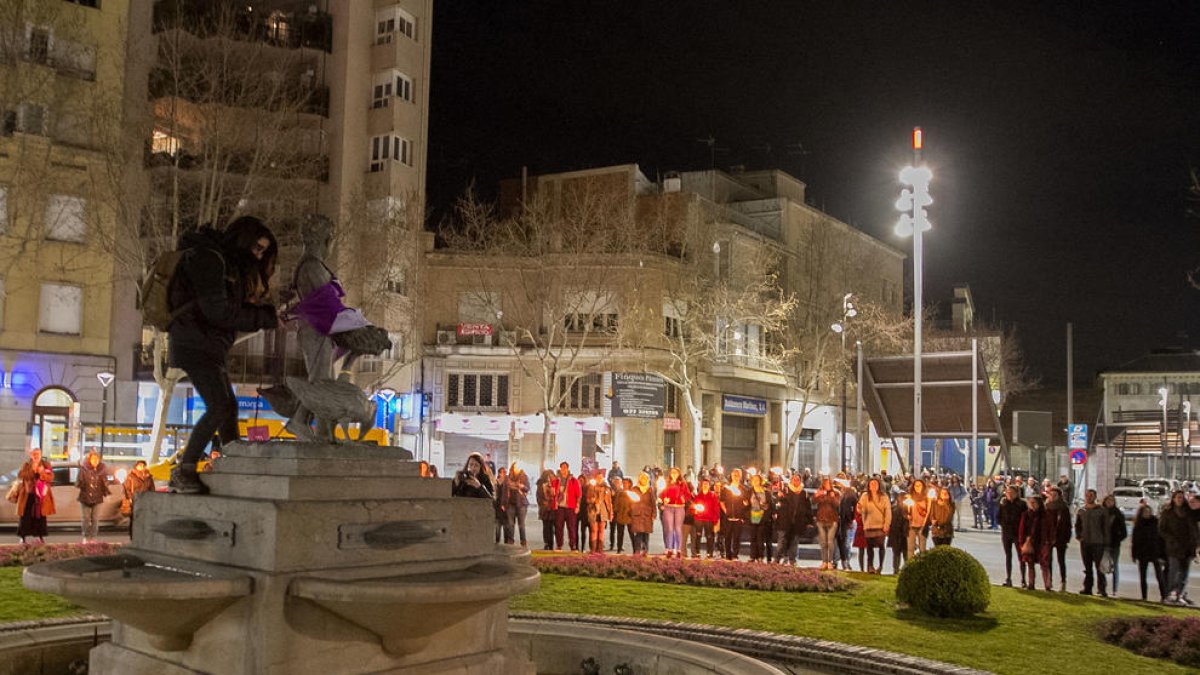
x=946, y=385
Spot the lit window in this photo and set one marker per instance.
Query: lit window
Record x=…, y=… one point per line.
x=61, y=309
x=164, y=142
x=66, y=218
x=476, y=391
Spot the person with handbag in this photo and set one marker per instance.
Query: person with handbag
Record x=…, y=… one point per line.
x=138, y=481
x=876, y=513
x=941, y=518
x=1056, y=534
x=918, y=517
x=1029, y=534
x=1117, y=531
x=1092, y=530
x=35, y=499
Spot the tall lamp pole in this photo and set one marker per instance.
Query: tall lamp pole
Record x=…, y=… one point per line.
x=914, y=222
x=106, y=379
x=849, y=311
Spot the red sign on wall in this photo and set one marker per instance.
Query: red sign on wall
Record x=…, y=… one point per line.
x=671, y=424
x=467, y=329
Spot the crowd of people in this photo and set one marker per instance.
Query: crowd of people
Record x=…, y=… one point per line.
x=715, y=512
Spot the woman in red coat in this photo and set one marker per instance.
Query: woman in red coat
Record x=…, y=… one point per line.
x=706, y=511
x=1029, y=534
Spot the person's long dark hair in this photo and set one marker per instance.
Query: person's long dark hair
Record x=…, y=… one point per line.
x=240, y=237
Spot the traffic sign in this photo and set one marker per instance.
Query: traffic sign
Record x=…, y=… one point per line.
x=1077, y=437
x=1079, y=457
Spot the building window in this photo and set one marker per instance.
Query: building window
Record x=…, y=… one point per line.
x=403, y=87
x=387, y=84
x=1129, y=389
x=590, y=323
x=392, y=20
x=162, y=142
x=477, y=391
x=582, y=395
x=670, y=447
x=66, y=218
x=390, y=148
x=94, y=4
x=38, y=44
x=672, y=403
x=3, y=208
x=61, y=309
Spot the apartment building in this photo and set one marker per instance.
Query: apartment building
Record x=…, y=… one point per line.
x=503, y=329
x=61, y=78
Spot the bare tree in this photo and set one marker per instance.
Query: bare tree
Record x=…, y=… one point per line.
x=555, y=274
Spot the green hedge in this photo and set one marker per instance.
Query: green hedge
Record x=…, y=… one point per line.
x=944, y=581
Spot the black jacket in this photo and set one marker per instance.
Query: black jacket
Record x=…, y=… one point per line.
x=213, y=278
x=1010, y=516
x=1148, y=544
x=92, y=484
x=1178, y=529
x=793, y=513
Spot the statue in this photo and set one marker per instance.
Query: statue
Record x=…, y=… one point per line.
x=328, y=331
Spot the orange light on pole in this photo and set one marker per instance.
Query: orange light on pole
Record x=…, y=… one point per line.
x=918, y=139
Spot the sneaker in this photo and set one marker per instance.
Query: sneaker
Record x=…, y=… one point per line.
x=185, y=481
x=1184, y=599
x=1007, y=583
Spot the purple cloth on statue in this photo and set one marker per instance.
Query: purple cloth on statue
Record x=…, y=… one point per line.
x=321, y=307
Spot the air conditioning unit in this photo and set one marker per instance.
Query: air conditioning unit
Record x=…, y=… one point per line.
x=706, y=434
x=508, y=338
x=447, y=337
x=481, y=339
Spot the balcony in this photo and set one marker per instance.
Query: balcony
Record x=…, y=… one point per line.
x=300, y=96
x=288, y=30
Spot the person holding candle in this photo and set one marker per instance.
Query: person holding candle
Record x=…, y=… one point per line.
x=599, y=510
x=918, y=517
x=941, y=518
x=735, y=504
x=641, y=514
x=827, y=504
x=547, y=496
x=623, y=511
x=566, y=505
x=793, y=516
x=706, y=510
x=35, y=500
x=673, y=498
x=760, y=513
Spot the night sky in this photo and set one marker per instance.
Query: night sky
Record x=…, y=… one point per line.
x=1060, y=134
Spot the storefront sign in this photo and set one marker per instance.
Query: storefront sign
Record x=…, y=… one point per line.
x=743, y=405
x=467, y=329
x=642, y=395
x=672, y=424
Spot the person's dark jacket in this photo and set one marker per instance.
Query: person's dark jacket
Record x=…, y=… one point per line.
x=1178, y=529
x=1147, y=543
x=213, y=278
x=461, y=488
x=1009, y=516
x=898, y=530
x=1056, y=524
x=518, y=491
x=92, y=484
x=1030, y=529
x=793, y=513
x=1092, y=526
x=642, y=511
x=736, y=506
x=848, y=508
x=1116, y=527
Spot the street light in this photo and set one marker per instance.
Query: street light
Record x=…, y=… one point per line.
x=1162, y=401
x=914, y=223
x=849, y=311
x=105, y=378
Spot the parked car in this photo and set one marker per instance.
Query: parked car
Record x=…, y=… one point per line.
x=1130, y=498
x=66, y=499
x=1164, y=485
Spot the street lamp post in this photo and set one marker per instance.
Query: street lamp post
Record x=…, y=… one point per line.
x=849, y=311
x=105, y=378
x=1162, y=401
x=914, y=222
x=1185, y=450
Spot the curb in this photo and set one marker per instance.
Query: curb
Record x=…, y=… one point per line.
x=821, y=654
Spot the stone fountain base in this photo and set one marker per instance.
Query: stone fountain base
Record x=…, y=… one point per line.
x=306, y=558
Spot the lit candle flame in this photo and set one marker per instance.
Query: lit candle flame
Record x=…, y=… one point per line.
x=735, y=489
x=633, y=496
x=909, y=502
x=661, y=484
x=591, y=481
x=752, y=471
x=699, y=508
x=778, y=470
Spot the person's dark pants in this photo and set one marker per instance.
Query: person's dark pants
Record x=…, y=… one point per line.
x=875, y=544
x=702, y=528
x=733, y=539
x=612, y=534
x=993, y=510
x=565, y=517
x=621, y=530
x=843, y=545
x=1177, y=575
x=220, y=418
x=548, y=531
x=515, y=524
x=769, y=538
x=585, y=529
x=758, y=534
x=1009, y=543
x=785, y=546
x=1158, y=576
x=1092, y=553
x=899, y=557
x=688, y=538
x=1062, y=563
x=640, y=541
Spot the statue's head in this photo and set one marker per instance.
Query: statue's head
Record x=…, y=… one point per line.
x=316, y=231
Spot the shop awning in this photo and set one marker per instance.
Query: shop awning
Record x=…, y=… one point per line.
x=946, y=385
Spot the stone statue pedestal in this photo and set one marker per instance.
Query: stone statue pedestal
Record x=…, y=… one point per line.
x=306, y=558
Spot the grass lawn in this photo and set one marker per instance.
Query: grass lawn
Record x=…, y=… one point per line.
x=18, y=604
x=1022, y=631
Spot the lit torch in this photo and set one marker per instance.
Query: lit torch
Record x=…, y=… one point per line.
x=661, y=483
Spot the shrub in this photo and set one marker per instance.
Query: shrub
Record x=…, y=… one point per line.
x=946, y=582
x=718, y=573
x=1163, y=637
x=23, y=555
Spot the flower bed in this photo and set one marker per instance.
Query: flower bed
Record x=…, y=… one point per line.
x=718, y=574
x=1163, y=637
x=21, y=555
